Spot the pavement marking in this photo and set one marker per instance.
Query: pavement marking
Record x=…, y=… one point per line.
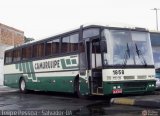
x=124, y=101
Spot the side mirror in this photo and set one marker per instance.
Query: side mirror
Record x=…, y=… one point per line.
x=103, y=46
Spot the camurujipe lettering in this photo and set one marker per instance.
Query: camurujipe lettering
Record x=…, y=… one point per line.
x=47, y=65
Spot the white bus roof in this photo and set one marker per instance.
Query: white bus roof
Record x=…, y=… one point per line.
x=116, y=25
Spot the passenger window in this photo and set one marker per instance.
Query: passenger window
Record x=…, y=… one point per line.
x=52, y=47
x=38, y=50
x=27, y=53
x=16, y=55
x=8, y=57
x=55, y=46
x=74, y=42
x=48, y=48
x=70, y=43
x=65, y=45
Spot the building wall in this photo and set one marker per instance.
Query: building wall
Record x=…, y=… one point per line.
x=2, y=49
x=8, y=37
x=1, y=72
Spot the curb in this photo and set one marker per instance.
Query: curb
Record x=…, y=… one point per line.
x=124, y=101
x=134, y=102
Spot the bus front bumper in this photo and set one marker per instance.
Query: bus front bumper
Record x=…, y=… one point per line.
x=129, y=87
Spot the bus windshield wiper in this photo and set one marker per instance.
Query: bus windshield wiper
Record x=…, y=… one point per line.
x=140, y=55
x=126, y=55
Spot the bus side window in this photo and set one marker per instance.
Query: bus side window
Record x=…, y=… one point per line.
x=55, y=46
x=16, y=55
x=27, y=53
x=70, y=43
x=65, y=45
x=38, y=50
x=8, y=57
x=48, y=47
x=52, y=47
x=74, y=42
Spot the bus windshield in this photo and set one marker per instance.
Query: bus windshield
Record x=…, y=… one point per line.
x=125, y=47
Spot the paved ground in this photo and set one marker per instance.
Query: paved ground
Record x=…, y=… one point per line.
x=11, y=101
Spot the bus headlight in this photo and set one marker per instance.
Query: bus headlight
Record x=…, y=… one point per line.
x=114, y=87
x=151, y=85
x=118, y=87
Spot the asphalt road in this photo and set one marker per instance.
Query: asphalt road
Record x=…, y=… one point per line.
x=14, y=103
x=46, y=103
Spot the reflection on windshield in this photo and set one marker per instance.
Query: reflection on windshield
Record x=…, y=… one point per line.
x=127, y=55
x=127, y=48
x=140, y=55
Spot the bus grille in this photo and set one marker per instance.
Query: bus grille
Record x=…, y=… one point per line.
x=128, y=77
x=134, y=86
x=142, y=77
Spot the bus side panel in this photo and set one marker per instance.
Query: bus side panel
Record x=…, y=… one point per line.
x=84, y=87
x=107, y=88
x=57, y=83
x=54, y=74
x=12, y=80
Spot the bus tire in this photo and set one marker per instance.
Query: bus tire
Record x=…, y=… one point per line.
x=77, y=89
x=22, y=86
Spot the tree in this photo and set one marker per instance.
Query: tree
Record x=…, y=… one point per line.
x=28, y=39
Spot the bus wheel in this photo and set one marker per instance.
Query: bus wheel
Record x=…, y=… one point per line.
x=22, y=86
x=77, y=89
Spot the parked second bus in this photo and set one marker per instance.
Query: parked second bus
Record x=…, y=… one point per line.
x=155, y=41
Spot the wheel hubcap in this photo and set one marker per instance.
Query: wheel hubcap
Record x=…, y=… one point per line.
x=22, y=85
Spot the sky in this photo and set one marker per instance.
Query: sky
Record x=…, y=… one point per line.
x=43, y=18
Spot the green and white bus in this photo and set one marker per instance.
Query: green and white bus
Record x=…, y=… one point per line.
x=90, y=60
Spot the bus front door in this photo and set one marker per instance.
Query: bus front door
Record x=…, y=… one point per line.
x=95, y=67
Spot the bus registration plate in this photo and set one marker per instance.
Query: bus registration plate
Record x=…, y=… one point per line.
x=116, y=91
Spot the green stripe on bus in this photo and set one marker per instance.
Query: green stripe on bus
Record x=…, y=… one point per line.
x=20, y=66
x=24, y=68
x=64, y=65
x=28, y=69
x=68, y=61
x=32, y=70
x=17, y=66
x=74, y=61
